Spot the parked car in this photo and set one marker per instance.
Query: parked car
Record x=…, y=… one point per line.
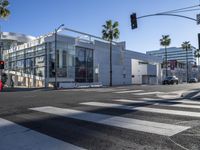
x=170, y=80
x=193, y=80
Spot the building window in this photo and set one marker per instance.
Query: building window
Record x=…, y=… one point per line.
x=84, y=65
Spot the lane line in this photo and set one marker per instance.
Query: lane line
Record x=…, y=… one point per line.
x=145, y=109
x=127, y=123
x=14, y=136
x=161, y=103
x=130, y=91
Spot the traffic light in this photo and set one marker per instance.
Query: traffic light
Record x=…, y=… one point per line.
x=1, y=64
x=133, y=21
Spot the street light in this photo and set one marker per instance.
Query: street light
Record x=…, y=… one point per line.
x=56, y=30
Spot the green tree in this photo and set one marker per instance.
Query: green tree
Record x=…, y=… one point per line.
x=165, y=41
x=4, y=12
x=110, y=32
x=197, y=54
x=186, y=46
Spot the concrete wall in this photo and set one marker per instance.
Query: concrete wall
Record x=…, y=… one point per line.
x=102, y=59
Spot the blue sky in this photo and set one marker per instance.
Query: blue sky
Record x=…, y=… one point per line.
x=37, y=17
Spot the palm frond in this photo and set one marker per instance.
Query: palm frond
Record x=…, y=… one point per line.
x=165, y=41
x=115, y=25
x=5, y=3
x=186, y=45
x=4, y=12
x=110, y=31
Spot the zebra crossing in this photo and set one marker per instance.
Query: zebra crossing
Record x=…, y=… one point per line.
x=171, y=108
x=134, y=124
x=136, y=92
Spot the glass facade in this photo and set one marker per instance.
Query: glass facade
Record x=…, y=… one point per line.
x=65, y=60
x=84, y=65
x=28, y=62
x=34, y=62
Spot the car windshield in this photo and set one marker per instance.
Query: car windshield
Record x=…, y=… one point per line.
x=169, y=78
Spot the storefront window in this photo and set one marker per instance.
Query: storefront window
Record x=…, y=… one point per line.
x=84, y=65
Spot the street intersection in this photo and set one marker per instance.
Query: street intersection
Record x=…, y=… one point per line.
x=129, y=117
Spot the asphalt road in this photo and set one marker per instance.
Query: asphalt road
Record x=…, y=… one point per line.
x=129, y=117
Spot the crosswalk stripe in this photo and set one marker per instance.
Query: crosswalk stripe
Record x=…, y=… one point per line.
x=182, y=101
x=131, y=91
x=151, y=99
x=127, y=123
x=171, y=104
x=14, y=136
x=147, y=93
x=189, y=102
x=145, y=109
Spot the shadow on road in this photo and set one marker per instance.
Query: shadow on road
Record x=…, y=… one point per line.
x=193, y=94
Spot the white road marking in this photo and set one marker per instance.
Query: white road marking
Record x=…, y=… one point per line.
x=147, y=93
x=189, y=102
x=127, y=123
x=16, y=137
x=171, y=104
x=182, y=101
x=170, y=95
x=130, y=91
x=145, y=109
x=151, y=99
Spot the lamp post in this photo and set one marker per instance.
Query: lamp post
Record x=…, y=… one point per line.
x=56, y=31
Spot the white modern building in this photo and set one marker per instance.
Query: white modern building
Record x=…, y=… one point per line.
x=80, y=61
x=174, y=53
x=10, y=39
x=176, y=65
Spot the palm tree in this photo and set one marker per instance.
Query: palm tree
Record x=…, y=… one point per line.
x=197, y=54
x=110, y=32
x=4, y=12
x=186, y=46
x=165, y=41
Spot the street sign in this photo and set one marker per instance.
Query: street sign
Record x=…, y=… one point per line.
x=198, y=19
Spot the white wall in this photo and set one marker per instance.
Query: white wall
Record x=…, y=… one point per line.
x=138, y=70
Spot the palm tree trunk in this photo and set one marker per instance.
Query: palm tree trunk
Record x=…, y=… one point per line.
x=166, y=63
x=187, y=62
x=110, y=63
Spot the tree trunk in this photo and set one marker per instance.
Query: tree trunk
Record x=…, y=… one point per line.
x=166, y=63
x=187, y=62
x=110, y=63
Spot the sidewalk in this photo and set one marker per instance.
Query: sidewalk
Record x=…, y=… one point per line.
x=22, y=89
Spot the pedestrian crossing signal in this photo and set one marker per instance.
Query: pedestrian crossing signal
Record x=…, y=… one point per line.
x=133, y=21
x=1, y=64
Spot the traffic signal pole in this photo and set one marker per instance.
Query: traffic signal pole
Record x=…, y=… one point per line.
x=167, y=13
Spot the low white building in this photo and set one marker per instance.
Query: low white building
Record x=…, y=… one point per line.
x=79, y=62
